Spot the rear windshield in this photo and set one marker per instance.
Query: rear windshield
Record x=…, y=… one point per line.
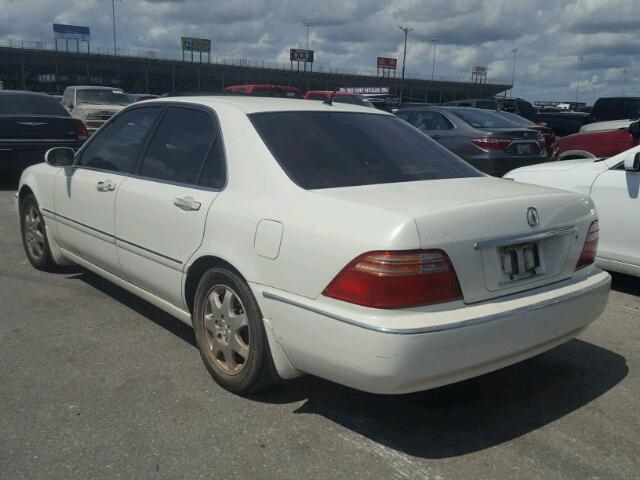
x=102, y=96
x=339, y=149
x=483, y=119
x=616, y=109
x=16, y=104
x=516, y=119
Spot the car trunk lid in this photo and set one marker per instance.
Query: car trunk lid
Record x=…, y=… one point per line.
x=26, y=128
x=482, y=224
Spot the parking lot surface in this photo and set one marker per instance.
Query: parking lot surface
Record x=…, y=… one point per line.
x=95, y=383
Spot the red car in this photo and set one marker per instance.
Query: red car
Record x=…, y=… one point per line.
x=598, y=144
x=277, y=91
x=339, y=97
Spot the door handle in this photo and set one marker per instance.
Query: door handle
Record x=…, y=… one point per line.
x=106, y=186
x=436, y=137
x=186, y=203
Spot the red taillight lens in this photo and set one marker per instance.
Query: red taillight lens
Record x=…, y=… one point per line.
x=81, y=130
x=491, y=143
x=588, y=254
x=397, y=279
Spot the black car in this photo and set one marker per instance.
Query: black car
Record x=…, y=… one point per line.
x=30, y=124
x=483, y=138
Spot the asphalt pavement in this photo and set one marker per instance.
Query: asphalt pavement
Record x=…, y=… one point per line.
x=98, y=384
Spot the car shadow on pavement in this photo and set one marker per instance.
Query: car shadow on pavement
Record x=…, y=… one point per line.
x=625, y=283
x=445, y=422
x=468, y=416
x=140, y=306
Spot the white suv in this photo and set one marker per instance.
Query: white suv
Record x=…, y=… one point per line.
x=309, y=237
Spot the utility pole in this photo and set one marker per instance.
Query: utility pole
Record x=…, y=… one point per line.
x=513, y=73
x=624, y=78
x=580, y=59
x=113, y=7
x=433, y=66
x=406, y=31
x=307, y=22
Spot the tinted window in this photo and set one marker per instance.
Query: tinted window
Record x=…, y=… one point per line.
x=516, y=119
x=615, y=109
x=102, y=96
x=483, y=119
x=327, y=149
x=119, y=144
x=487, y=104
x=428, y=120
x=17, y=104
x=526, y=108
x=181, y=141
x=214, y=174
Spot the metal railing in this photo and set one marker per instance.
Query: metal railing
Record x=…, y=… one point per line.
x=73, y=47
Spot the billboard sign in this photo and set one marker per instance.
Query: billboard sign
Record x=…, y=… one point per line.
x=385, y=62
x=193, y=44
x=479, y=71
x=71, y=32
x=299, y=55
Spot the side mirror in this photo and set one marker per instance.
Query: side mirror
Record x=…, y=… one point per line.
x=634, y=130
x=60, y=156
x=632, y=163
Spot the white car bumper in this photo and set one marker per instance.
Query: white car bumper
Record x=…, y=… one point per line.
x=401, y=351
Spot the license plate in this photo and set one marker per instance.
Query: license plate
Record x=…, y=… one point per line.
x=524, y=149
x=520, y=261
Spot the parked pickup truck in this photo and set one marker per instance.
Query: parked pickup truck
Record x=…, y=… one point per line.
x=599, y=144
x=94, y=105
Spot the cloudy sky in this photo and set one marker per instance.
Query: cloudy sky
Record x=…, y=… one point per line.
x=550, y=35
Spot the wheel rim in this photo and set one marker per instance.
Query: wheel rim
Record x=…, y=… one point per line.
x=34, y=232
x=226, y=329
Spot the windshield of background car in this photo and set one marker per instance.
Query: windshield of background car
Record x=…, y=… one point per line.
x=487, y=104
x=616, y=109
x=483, y=119
x=16, y=104
x=340, y=149
x=102, y=97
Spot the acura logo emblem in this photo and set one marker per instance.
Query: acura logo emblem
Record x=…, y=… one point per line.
x=532, y=216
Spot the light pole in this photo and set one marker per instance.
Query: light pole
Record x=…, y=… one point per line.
x=307, y=22
x=433, y=66
x=406, y=31
x=580, y=59
x=513, y=73
x=624, y=78
x=113, y=7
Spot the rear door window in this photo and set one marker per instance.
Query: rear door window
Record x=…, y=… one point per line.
x=179, y=145
x=340, y=149
x=119, y=144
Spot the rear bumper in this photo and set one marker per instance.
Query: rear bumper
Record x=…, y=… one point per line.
x=394, y=352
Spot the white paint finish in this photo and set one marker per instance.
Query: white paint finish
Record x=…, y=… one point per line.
x=268, y=238
x=321, y=231
x=615, y=193
x=85, y=215
x=156, y=238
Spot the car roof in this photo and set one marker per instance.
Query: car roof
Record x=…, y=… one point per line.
x=250, y=104
x=24, y=92
x=94, y=87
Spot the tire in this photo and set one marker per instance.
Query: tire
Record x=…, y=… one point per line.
x=230, y=333
x=34, y=236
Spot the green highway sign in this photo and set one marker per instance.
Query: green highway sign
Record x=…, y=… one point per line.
x=196, y=44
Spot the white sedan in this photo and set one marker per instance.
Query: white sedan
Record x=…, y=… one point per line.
x=305, y=237
x=613, y=184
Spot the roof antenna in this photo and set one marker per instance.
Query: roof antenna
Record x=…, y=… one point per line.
x=329, y=101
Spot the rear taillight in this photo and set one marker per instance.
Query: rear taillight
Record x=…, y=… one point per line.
x=542, y=124
x=588, y=254
x=397, y=279
x=491, y=143
x=81, y=130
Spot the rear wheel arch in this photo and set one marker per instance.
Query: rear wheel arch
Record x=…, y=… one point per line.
x=197, y=269
x=24, y=191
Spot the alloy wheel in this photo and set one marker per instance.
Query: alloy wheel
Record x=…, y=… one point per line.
x=34, y=232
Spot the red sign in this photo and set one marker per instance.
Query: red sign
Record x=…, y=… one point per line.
x=390, y=63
